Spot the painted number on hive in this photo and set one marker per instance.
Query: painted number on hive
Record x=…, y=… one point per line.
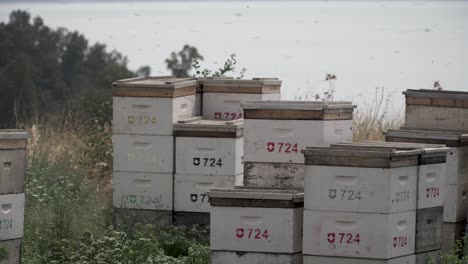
x=250, y=233
x=227, y=115
x=203, y=197
x=281, y=147
x=141, y=120
x=142, y=199
x=343, y=238
x=6, y=224
x=401, y=196
x=400, y=241
x=344, y=194
x=432, y=192
x=207, y=162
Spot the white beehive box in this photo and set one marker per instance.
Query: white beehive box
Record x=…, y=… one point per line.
x=136, y=190
x=209, y=147
x=360, y=235
x=274, y=175
x=431, y=168
x=11, y=216
x=222, y=98
x=13, y=250
x=436, y=110
x=411, y=259
x=354, y=179
x=12, y=160
x=256, y=220
x=191, y=191
x=139, y=153
x=232, y=257
x=149, y=106
x=456, y=203
x=457, y=157
x=276, y=131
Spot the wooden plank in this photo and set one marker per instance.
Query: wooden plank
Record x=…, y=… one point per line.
x=281, y=114
x=362, y=162
x=242, y=90
x=207, y=134
x=155, y=93
x=448, y=143
x=13, y=143
x=262, y=203
x=442, y=102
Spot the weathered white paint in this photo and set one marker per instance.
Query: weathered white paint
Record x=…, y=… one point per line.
x=229, y=104
x=209, y=156
x=436, y=118
x=429, y=229
x=431, y=185
x=457, y=166
x=150, y=116
x=274, y=175
x=12, y=166
x=268, y=140
x=138, y=153
x=136, y=190
x=232, y=257
x=353, y=189
x=13, y=249
x=377, y=234
x=11, y=216
x=190, y=191
x=411, y=259
x=283, y=226
x=456, y=203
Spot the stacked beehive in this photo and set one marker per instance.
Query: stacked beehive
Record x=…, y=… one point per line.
x=360, y=205
x=256, y=226
x=209, y=154
x=145, y=110
x=12, y=168
x=430, y=193
x=276, y=131
x=222, y=97
x=441, y=117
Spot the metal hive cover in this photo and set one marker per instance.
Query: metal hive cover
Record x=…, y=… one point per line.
x=13, y=134
x=162, y=82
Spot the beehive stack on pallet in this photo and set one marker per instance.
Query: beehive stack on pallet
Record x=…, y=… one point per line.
x=256, y=226
x=209, y=154
x=276, y=131
x=12, y=169
x=440, y=117
x=222, y=97
x=360, y=205
x=145, y=110
x=430, y=193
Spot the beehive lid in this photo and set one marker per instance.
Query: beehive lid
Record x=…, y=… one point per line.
x=457, y=99
x=256, y=197
x=13, y=139
x=253, y=86
x=165, y=86
x=430, y=153
x=298, y=110
x=198, y=127
x=450, y=139
x=361, y=157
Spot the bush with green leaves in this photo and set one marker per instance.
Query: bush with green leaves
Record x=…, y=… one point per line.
x=3, y=253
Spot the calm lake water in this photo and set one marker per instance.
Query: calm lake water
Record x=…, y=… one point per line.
x=397, y=45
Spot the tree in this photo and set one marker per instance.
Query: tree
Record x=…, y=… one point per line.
x=45, y=71
x=180, y=63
